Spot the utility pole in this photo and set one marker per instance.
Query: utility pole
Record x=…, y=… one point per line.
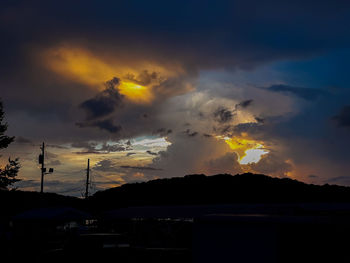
x=43, y=169
x=42, y=160
x=87, y=179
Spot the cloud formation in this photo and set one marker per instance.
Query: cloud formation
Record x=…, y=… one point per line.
x=175, y=82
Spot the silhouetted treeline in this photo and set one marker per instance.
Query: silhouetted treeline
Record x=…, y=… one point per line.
x=14, y=202
x=188, y=190
x=217, y=189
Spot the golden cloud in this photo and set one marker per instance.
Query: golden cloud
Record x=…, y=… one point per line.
x=140, y=80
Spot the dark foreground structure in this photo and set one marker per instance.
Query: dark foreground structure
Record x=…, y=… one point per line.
x=202, y=233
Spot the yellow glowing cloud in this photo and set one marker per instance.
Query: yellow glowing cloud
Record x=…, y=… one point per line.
x=79, y=65
x=248, y=150
x=136, y=93
x=84, y=67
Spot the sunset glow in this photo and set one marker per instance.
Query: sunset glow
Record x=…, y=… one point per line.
x=78, y=65
x=135, y=93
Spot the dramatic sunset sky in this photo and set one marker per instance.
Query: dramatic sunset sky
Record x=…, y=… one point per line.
x=156, y=89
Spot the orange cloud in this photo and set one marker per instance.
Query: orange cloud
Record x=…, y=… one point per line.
x=140, y=80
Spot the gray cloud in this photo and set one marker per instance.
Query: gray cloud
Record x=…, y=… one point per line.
x=106, y=125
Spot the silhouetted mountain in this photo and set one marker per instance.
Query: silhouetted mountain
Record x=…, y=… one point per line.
x=189, y=190
x=217, y=189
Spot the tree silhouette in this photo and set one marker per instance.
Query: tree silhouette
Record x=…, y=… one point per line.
x=9, y=172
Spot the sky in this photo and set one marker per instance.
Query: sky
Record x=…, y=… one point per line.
x=158, y=89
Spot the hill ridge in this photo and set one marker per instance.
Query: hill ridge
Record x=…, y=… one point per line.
x=220, y=188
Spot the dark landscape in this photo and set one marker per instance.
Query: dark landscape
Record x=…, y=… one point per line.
x=198, y=219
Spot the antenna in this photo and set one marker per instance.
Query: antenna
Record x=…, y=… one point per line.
x=87, y=179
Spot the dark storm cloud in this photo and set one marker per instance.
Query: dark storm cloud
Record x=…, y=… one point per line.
x=91, y=147
x=162, y=132
x=151, y=153
x=242, y=33
x=223, y=115
x=190, y=133
x=117, y=147
x=251, y=127
x=113, y=148
x=343, y=117
x=107, y=125
x=245, y=103
x=105, y=102
x=304, y=93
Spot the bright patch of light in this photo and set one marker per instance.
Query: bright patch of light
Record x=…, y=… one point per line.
x=135, y=93
x=252, y=156
x=152, y=142
x=248, y=150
